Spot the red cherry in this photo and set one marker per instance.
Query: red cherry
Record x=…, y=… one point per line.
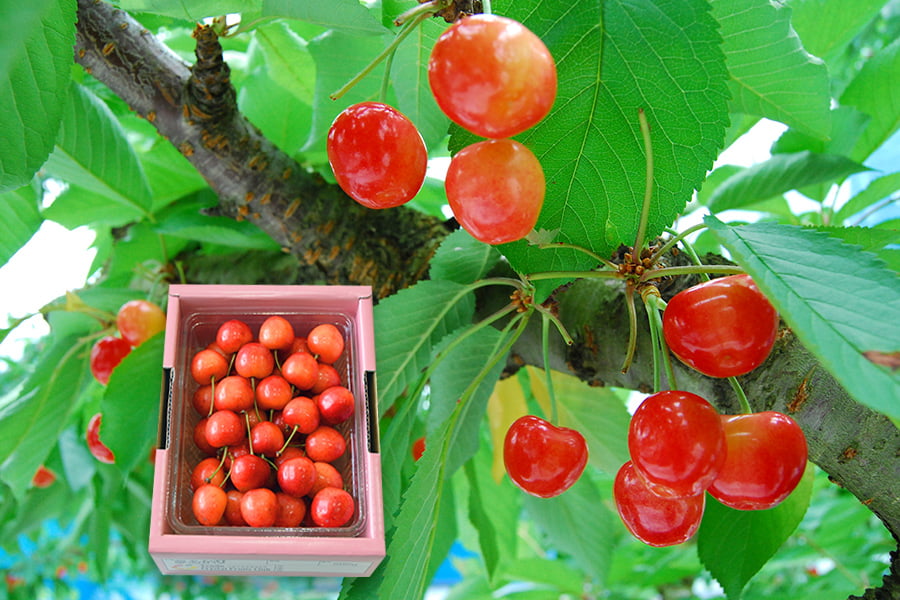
x=326, y=476
x=208, y=365
x=208, y=470
x=297, y=476
x=234, y=393
x=202, y=399
x=541, y=458
x=199, y=436
x=496, y=190
x=97, y=448
x=289, y=453
x=225, y=428
x=677, y=443
x=233, y=334
x=336, y=404
x=139, y=320
x=766, y=458
x=43, y=477
x=418, y=448
x=259, y=507
x=327, y=342
x=492, y=75
x=276, y=333
x=233, y=514
x=722, y=328
x=106, y=354
x=273, y=393
x=248, y=472
x=332, y=507
x=325, y=444
x=209, y=504
x=266, y=438
x=377, y=155
x=328, y=377
x=302, y=413
x=291, y=510
x=301, y=370
x=655, y=520
x=254, y=360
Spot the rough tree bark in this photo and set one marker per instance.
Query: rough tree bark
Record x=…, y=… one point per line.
x=335, y=240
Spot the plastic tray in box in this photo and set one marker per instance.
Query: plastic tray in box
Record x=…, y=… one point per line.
x=178, y=543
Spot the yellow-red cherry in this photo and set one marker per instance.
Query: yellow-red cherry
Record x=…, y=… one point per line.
x=495, y=189
x=106, y=354
x=492, y=75
x=677, y=443
x=653, y=519
x=766, y=458
x=723, y=327
x=377, y=155
x=98, y=449
x=139, y=320
x=542, y=459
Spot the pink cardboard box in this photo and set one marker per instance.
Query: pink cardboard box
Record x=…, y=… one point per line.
x=178, y=543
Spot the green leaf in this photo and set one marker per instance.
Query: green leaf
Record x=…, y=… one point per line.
x=874, y=93
x=613, y=59
x=185, y=221
x=827, y=292
x=170, y=174
x=462, y=258
x=876, y=241
x=33, y=85
x=408, y=325
x=76, y=206
x=339, y=57
x=288, y=61
x=93, y=152
x=777, y=175
x=33, y=416
x=828, y=26
x=877, y=190
x=772, y=75
x=19, y=220
x=494, y=509
x=346, y=15
x=195, y=10
x=130, y=405
x=409, y=77
x=562, y=520
x=735, y=544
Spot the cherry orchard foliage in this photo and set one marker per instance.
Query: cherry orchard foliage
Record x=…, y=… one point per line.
x=143, y=201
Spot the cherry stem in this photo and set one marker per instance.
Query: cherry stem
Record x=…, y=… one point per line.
x=287, y=442
x=648, y=188
x=677, y=237
x=408, y=27
x=548, y=314
x=572, y=274
x=594, y=255
x=692, y=270
x=632, y=327
x=545, y=347
x=690, y=248
x=212, y=396
x=742, y=397
x=654, y=304
x=249, y=437
x=426, y=8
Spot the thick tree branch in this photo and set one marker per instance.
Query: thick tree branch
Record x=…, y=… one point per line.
x=336, y=239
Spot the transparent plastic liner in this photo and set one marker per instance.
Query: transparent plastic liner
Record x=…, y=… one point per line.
x=197, y=329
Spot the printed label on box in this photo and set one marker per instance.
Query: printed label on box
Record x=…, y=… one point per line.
x=197, y=565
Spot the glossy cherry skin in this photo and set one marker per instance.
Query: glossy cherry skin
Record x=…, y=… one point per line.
x=139, y=320
x=332, y=507
x=106, y=354
x=766, y=458
x=233, y=334
x=377, y=155
x=723, y=327
x=259, y=507
x=655, y=520
x=542, y=459
x=326, y=341
x=492, y=75
x=677, y=443
x=208, y=504
x=495, y=189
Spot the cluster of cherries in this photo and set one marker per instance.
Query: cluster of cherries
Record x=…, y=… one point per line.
x=681, y=448
x=269, y=407
x=495, y=78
